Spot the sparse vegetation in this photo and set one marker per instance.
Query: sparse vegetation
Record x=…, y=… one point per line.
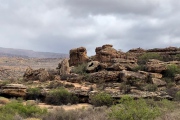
x=99, y=113
x=60, y=96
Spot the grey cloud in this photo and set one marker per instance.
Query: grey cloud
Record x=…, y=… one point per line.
x=60, y=25
x=112, y=6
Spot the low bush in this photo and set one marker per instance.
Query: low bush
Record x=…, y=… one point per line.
x=33, y=93
x=61, y=96
x=130, y=109
x=102, y=99
x=80, y=69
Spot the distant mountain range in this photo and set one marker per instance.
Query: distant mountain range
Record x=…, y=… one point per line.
x=11, y=52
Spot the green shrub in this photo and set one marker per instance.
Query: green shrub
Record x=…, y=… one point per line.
x=80, y=69
x=33, y=93
x=177, y=96
x=60, y=96
x=171, y=71
x=146, y=56
x=130, y=109
x=101, y=99
x=11, y=109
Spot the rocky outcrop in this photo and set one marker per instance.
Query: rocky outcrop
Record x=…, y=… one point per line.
x=64, y=68
x=34, y=75
x=14, y=90
x=155, y=66
x=78, y=56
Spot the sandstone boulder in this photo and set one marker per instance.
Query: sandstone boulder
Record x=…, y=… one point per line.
x=151, y=75
x=93, y=66
x=64, y=67
x=156, y=66
x=158, y=82
x=78, y=56
x=34, y=75
x=14, y=90
x=119, y=64
x=129, y=75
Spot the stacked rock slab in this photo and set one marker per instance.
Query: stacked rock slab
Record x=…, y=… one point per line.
x=78, y=56
x=14, y=90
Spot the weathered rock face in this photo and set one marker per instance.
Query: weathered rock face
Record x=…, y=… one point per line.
x=64, y=68
x=14, y=90
x=34, y=75
x=78, y=56
x=156, y=66
x=103, y=76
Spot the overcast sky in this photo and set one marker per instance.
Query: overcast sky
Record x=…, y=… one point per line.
x=60, y=25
